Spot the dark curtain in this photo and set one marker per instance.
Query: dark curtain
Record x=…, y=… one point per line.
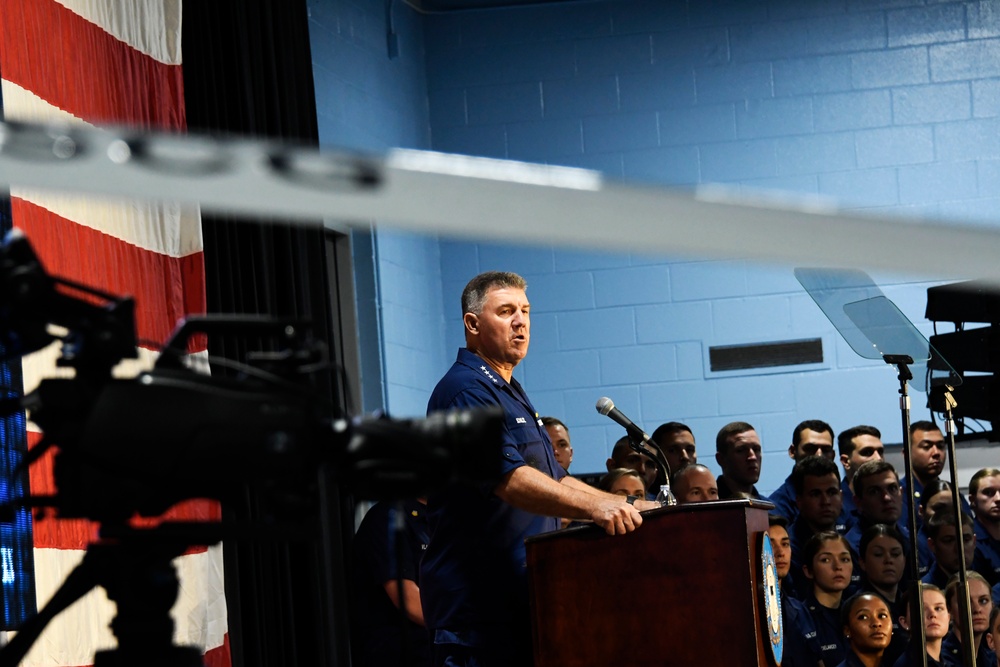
x=247, y=72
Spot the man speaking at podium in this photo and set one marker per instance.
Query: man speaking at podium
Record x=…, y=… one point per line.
x=473, y=580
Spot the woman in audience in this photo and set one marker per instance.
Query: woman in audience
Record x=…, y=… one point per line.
x=868, y=630
x=883, y=562
x=981, y=604
x=935, y=497
x=624, y=482
x=936, y=620
x=828, y=564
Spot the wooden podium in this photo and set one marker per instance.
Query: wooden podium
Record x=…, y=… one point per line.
x=684, y=590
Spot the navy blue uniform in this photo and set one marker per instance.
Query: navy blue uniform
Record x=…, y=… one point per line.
x=473, y=576
x=785, y=505
x=379, y=638
x=725, y=493
x=987, y=553
x=829, y=631
x=951, y=652
x=801, y=647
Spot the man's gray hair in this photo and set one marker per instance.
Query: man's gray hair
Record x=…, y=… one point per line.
x=474, y=294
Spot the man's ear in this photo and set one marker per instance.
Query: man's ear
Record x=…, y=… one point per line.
x=791, y=452
x=718, y=458
x=845, y=461
x=610, y=463
x=471, y=321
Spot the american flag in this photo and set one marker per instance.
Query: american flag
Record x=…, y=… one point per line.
x=108, y=62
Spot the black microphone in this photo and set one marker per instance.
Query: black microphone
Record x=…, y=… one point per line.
x=607, y=408
x=638, y=439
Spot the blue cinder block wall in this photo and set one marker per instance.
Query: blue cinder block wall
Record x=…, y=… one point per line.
x=890, y=107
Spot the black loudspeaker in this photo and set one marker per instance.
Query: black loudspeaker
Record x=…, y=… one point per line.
x=974, y=353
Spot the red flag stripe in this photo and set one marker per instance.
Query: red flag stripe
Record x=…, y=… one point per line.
x=113, y=84
x=171, y=287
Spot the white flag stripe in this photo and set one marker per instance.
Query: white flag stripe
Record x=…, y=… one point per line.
x=20, y=104
x=168, y=228
x=152, y=27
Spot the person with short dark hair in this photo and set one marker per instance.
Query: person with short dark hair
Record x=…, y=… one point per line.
x=982, y=606
x=856, y=446
x=993, y=634
x=878, y=498
x=694, y=483
x=927, y=456
x=868, y=629
x=984, y=496
x=817, y=493
x=739, y=454
x=561, y=446
x=945, y=538
x=676, y=441
x=801, y=648
x=623, y=456
x=812, y=437
x=473, y=576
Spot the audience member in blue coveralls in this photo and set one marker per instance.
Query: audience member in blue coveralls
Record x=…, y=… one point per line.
x=856, y=446
x=384, y=555
x=738, y=452
x=878, y=498
x=993, y=635
x=623, y=456
x=982, y=606
x=623, y=482
x=868, y=630
x=944, y=539
x=818, y=496
x=812, y=437
x=694, y=483
x=984, y=496
x=828, y=566
x=936, y=620
x=676, y=441
x=937, y=497
x=882, y=554
x=801, y=647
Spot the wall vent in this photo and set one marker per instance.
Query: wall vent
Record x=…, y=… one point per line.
x=766, y=355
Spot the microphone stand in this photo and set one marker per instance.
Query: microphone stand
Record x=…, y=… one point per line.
x=918, y=638
x=964, y=604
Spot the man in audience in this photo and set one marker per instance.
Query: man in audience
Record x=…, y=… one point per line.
x=694, y=483
x=818, y=498
x=676, y=441
x=559, y=435
x=812, y=437
x=738, y=453
x=984, y=496
x=856, y=446
x=927, y=455
x=878, y=499
x=623, y=456
x=942, y=538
